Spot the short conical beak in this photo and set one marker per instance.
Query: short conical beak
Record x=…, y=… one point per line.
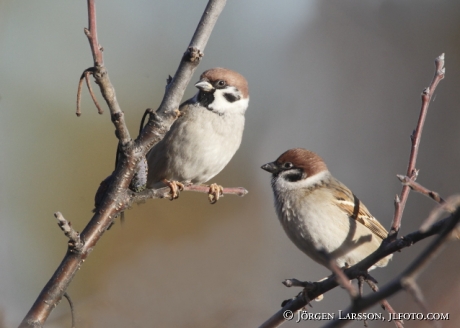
x=270, y=167
x=204, y=86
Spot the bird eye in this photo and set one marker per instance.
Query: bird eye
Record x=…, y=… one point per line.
x=221, y=83
x=287, y=165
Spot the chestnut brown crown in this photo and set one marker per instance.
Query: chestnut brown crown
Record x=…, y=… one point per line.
x=308, y=161
x=230, y=77
x=297, y=158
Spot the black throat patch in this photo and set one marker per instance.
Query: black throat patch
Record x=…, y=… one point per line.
x=206, y=98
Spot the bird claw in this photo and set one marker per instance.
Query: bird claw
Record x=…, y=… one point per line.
x=178, y=113
x=319, y=298
x=175, y=187
x=215, y=192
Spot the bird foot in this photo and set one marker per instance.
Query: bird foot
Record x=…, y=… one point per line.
x=175, y=187
x=320, y=297
x=178, y=113
x=215, y=192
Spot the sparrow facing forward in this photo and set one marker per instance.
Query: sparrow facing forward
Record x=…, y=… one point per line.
x=206, y=135
x=318, y=212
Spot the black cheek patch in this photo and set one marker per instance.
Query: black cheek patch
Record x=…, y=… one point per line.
x=231, y=97
x=294, y=176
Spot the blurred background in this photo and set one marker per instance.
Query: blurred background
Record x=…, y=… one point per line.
x=342, y=78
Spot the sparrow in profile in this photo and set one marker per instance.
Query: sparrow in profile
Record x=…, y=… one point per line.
x=319, y=213
x=205, y=136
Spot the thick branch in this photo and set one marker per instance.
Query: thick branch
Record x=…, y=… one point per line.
x=159, y=124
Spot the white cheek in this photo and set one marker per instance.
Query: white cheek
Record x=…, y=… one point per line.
x=283, y=184
x=222, y=105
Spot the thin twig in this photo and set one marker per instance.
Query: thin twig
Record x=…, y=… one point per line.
x=343, y=280
x=385, y=304
x=72, y=309
x=91, y=33
x=102, y=79
x=308, y=287
x=85, y=76
x=80, y=84
x=448, y=206
x=361, y=286
x=93, y=96
x=74, y=237
x=238, y=191
x=297, y=283
x=420, y=189
x=415, y=139
x=165, y=192
x=361, y=292
x=414, y=290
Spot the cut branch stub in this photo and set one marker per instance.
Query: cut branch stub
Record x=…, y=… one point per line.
x=194, y=55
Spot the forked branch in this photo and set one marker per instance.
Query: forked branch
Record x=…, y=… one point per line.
x=427, y=94
x=117, y=196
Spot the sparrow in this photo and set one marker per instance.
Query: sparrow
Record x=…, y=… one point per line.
x=205, y=136
x=320, y=214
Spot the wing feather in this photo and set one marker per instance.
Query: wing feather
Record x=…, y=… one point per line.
x=356, y=210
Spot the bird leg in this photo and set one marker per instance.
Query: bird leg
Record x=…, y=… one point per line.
x=175, y=187
x=215, y=192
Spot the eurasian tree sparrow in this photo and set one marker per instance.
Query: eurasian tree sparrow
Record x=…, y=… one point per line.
x=206, y=135
x=318, y=212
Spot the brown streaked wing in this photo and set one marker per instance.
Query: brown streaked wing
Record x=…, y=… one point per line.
x=357, y=210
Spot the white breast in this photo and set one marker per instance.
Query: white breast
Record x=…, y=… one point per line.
x=313, y=223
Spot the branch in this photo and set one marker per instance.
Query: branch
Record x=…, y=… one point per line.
x=408, y=275
x=165, y=192
x=341, y=278
x=448, y=206
x=385, y=305
x=91, y=33
x=420, y=189
x=74, y=237
x=415, y=139
x=117, y=196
